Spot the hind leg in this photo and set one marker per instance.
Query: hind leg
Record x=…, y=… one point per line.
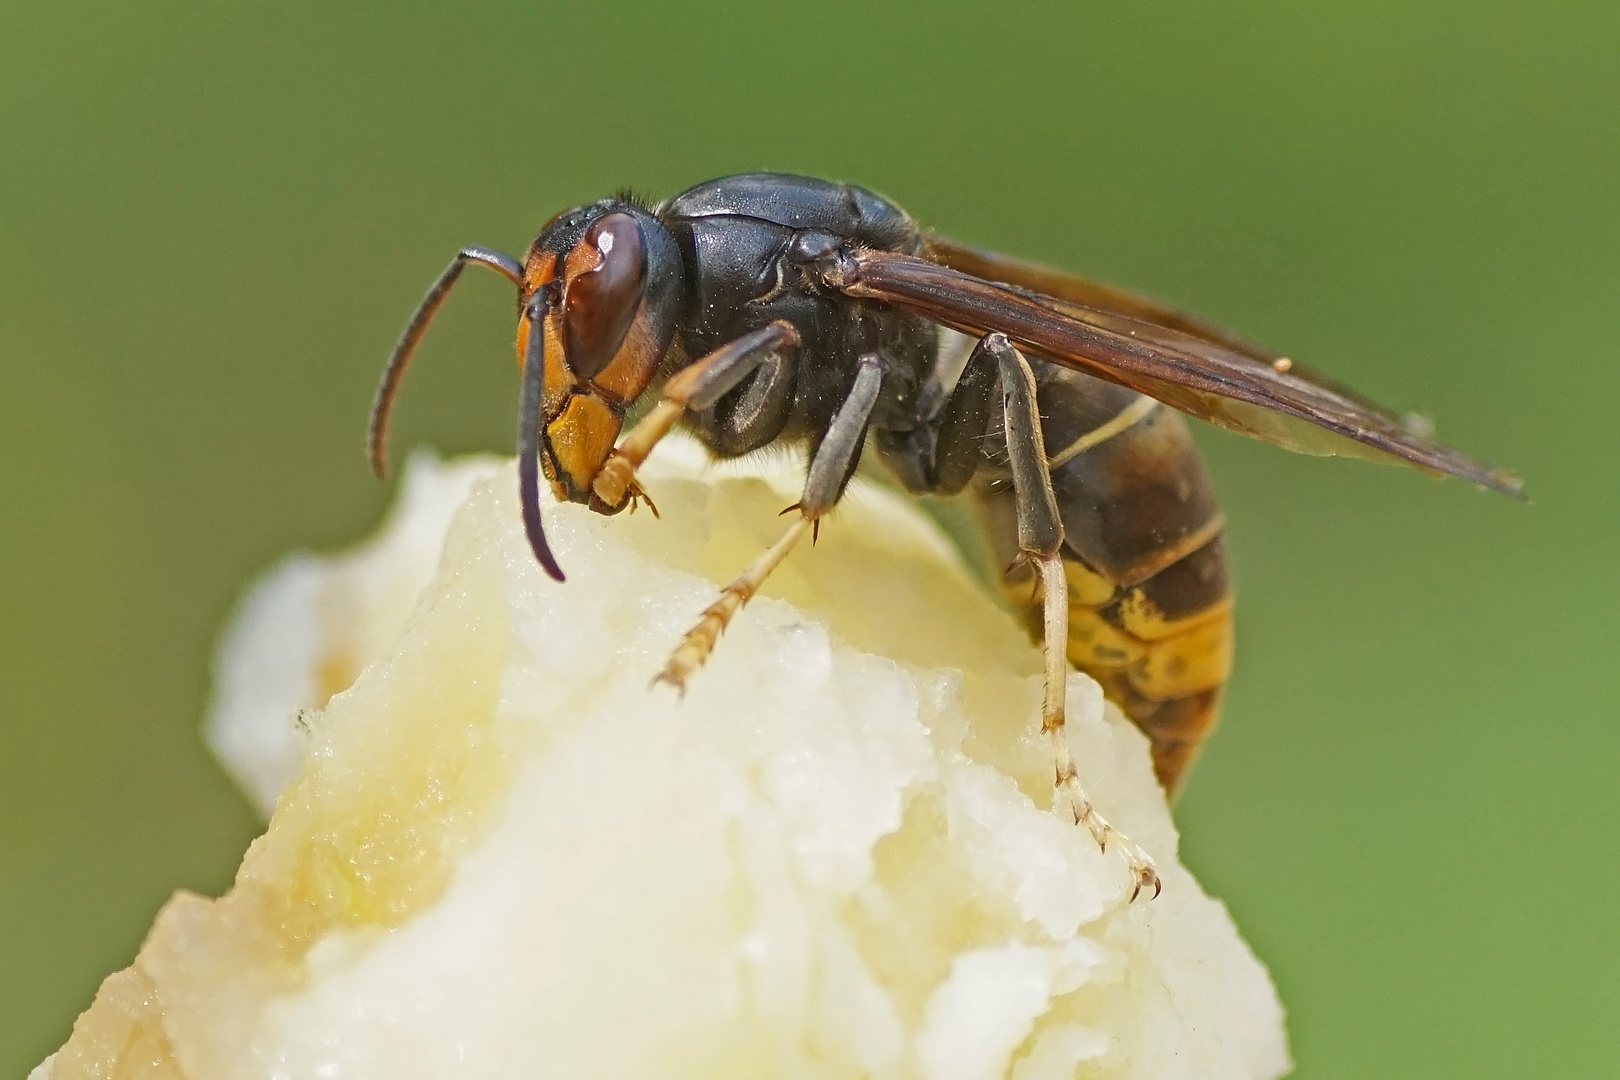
x=1040, y=540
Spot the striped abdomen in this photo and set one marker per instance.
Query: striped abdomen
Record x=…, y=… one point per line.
x=1150, y=611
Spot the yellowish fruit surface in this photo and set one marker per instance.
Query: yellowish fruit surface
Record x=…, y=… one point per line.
x=500, y=853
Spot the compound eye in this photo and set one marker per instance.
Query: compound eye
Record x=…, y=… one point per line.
x=601, y=299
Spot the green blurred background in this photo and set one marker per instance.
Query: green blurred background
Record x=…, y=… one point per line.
x=214, y=219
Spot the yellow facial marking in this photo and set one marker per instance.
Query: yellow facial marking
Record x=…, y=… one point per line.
x=581, y=438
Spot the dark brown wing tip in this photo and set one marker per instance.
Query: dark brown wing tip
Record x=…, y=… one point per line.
x=1442, y=460
x=1439, y=460
x=1509, y=484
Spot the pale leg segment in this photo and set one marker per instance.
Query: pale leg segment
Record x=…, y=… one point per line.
x=830, y=468
x=1040, y=541
x=699, y=642
x=1055, y=637
x=618, y=475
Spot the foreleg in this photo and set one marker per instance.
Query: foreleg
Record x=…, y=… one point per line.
x=697, y=386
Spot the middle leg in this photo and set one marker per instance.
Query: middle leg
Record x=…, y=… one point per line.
x=830, y=467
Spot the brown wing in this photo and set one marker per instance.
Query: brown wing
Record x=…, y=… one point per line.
x=1189, y=364
x=1092, y=295
x=1094, y=300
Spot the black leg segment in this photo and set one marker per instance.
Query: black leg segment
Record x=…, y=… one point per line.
x=959, y=444
x=941, y=448
x=723, y=370
x=835, y=457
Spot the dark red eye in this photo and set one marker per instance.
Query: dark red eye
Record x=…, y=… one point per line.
x=601, y=303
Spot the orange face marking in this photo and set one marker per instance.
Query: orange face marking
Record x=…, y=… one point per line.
x=537, y=274
x=541, y=268
x=580, y=438
x=556, y=381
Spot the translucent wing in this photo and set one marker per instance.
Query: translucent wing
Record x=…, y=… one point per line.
x=1189, y=364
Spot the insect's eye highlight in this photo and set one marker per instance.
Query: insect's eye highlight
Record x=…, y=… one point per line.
x=606, y=271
